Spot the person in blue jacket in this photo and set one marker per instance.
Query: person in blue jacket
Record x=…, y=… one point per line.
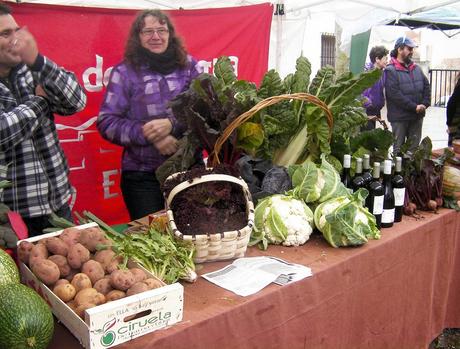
x=374, y=98
x=408, y=95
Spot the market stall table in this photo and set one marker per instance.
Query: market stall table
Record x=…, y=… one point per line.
x=397, y=292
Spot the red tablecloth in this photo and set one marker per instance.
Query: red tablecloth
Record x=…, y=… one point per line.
x=397, y=292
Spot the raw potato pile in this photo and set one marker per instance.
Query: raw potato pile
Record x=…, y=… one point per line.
x=78, y=274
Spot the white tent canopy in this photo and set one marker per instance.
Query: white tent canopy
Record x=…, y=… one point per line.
x=298, y=29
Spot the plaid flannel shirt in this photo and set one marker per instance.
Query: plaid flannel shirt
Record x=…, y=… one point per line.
x=31, y=157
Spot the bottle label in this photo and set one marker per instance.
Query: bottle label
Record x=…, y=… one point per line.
x=388, y=215
x=378, y=205
x=399, y=196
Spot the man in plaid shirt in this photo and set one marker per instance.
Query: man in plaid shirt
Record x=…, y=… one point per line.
x=32, y=88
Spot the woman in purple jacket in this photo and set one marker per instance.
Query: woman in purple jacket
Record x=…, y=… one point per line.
x=374, y=98
x=135, y=113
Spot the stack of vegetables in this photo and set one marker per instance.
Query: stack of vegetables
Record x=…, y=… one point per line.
x=338, y=215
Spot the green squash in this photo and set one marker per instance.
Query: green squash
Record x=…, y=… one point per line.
x=26, y=320
x=8, y=270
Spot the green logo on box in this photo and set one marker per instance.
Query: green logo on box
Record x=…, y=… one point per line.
x=108, y=338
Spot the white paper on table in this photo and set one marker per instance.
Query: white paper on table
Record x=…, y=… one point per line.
x=246, y=276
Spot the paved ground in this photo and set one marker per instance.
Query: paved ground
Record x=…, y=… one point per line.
x=434, y=126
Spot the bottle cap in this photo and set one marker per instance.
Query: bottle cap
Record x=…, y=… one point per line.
x=387, y=167
x=347, y=160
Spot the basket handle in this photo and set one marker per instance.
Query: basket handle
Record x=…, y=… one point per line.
x=214, y=156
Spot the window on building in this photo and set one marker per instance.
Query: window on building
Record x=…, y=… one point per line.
x=327, y=50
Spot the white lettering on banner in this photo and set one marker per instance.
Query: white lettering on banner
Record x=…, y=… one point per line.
x=208, y=66
x=95, y=78
x=101, y=78
x=107, y=183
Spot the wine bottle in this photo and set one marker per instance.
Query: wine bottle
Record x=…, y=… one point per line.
x=346, y=177
x=399, y=190
x=358, y=180
x=374, y=202
x=388, y=215
x=367, y=172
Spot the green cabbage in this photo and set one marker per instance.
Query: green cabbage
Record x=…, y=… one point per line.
x=344, y=221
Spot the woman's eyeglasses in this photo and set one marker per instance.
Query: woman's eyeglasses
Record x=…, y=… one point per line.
x=150, y=32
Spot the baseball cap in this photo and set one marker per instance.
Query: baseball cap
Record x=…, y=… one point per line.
x=404, y=41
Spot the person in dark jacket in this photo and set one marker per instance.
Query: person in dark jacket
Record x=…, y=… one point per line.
x=408, y=95
x=374, y=98
x=453, y=113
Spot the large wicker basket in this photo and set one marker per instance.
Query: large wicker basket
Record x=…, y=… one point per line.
x=215, y=246
x=232, y=244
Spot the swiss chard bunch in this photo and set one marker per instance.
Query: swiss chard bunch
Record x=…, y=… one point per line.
x=210, y=104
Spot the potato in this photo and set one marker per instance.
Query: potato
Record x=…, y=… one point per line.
x=114, y=295
x=80, y=309
x=94, y=270
x=72, y=273
x=152, y=283
x=138, y=287
x=122, y=279
x=81, y=281
x=78, y=254
x=38, y=252
x=89, y=295
x=105, y=257
x=103, y=285
x=57, y=246
x=114, y=264
x=70, y=236
x=66, y=292
x=24, y=249
x=91, y=237
x=61, y=282
x=139, y=274
x=61, y=262
x=46, y=270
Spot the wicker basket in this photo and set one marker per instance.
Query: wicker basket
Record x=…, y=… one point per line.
x=233, y=244
x=215, y=246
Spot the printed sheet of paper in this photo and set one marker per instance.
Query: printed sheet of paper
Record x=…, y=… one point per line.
x=246, y=276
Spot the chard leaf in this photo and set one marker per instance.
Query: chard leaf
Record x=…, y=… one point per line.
x=223, y=70
x=271, y=85
x=301, y=78
x=250, y=137
x=323, y=79
x=347, y=88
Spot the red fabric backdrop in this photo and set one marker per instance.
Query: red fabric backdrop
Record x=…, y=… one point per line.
x=89, y=41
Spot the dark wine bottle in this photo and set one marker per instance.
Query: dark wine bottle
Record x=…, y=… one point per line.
x=367, y=172
x=399, y=190
x=374, y=202
x=358, y=180
x=346, y=176
x=388, y=215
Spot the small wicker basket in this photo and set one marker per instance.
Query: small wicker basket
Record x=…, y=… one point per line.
x=215, y=246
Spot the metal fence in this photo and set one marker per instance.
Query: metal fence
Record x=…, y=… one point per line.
x=442, y=83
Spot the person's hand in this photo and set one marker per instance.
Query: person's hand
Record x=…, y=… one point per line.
x=25, y=46
x=167, y=145
x=39, y=91
x=420, y=109
x=156, y=130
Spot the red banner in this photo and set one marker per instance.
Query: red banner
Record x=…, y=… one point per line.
x=90, y=41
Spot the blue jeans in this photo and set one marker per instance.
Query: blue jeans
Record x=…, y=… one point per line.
x=141, y=193
x=405, y=130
